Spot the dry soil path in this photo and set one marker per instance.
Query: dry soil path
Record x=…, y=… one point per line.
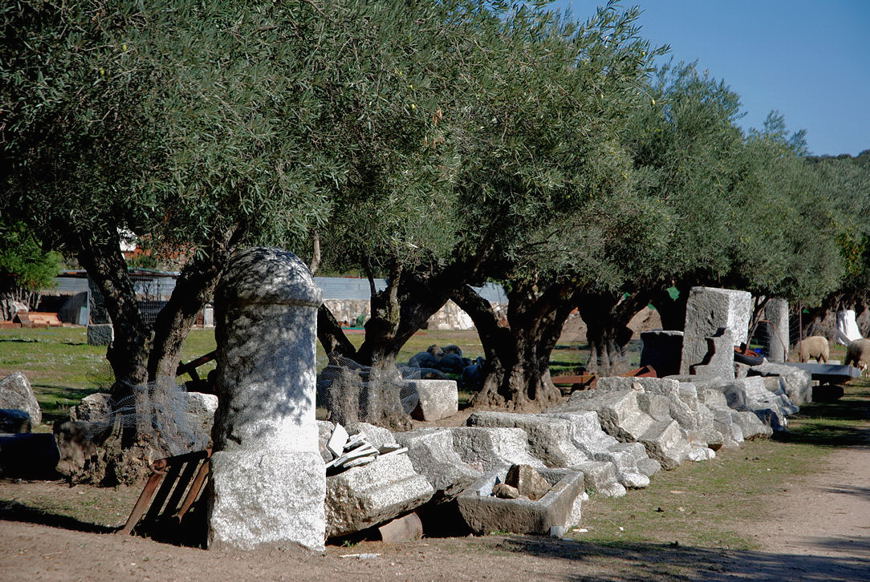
x=818, y=530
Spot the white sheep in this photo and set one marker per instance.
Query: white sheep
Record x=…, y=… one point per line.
x=815, y=346
x=858, y=354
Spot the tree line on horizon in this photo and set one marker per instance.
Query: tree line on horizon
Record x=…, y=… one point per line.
x=438, y=145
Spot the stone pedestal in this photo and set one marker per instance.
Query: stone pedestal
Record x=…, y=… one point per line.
x=708, y=310
x=776, y=314
x=268, y=481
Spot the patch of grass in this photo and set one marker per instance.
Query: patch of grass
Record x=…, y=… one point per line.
x=697, y=503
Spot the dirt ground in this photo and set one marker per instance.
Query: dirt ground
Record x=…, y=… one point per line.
x=818, y=529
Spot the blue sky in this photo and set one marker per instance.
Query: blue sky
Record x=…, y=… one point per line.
x=809, y=59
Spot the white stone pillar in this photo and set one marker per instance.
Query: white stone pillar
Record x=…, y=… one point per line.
x=776, y=313
x=268, y=480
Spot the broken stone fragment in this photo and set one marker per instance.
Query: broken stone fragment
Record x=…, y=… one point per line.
x=337, y=440
x=402, y=529
x=505, y=491
x=365, y=496
x=16, y=393
x=433, y=456
x=527, y=481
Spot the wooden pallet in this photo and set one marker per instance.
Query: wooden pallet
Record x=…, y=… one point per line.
x=174, y=488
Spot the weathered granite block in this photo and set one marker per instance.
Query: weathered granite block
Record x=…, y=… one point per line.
x=596, y=444
x=433, y=456
x=437, y=399
x=365, y=496
x=16, y=393
x=601, y=477
x=797, y=383
x=550, y=439
x=751, y=426
x=493, y=449
x=719, y=360
x=666, y=443
x=268, y=498
x=708, y=310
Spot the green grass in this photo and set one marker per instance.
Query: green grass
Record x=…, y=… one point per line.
x=63, y=368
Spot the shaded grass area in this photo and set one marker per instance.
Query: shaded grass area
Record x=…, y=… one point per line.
x=63, y=368
x=842, y=423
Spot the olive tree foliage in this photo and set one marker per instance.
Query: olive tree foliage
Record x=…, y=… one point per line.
x=544, y=174
x=785, y=244
x=684, y=141
x=205, y=126
x=844, y=181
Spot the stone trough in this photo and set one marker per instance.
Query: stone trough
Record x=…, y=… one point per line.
x=557, y=510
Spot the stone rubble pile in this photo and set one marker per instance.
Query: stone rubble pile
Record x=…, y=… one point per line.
x=605, y=440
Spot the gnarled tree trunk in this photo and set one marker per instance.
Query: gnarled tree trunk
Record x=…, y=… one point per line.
x=128, y=353
x=606, y=316
x=517, y=371
x=193, y=289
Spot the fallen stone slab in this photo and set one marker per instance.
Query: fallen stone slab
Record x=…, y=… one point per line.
x=560, y=507
x=337, y=440
x=16, y=393
x=795, y=382
x=433, y=456
x=596, y=444
x=619, y=412
x=601, y=477
x=621, y=416
x=666, y=443
x=751, y=426
x=550, y=438
x=493, y=449
x=437, y=399
x=365, y=496
x=378, y=436
x=750, y=394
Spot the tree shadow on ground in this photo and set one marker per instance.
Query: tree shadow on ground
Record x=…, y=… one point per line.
x=15, y=511
x=849, y=490
x=646, y=561
x=823, y=434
